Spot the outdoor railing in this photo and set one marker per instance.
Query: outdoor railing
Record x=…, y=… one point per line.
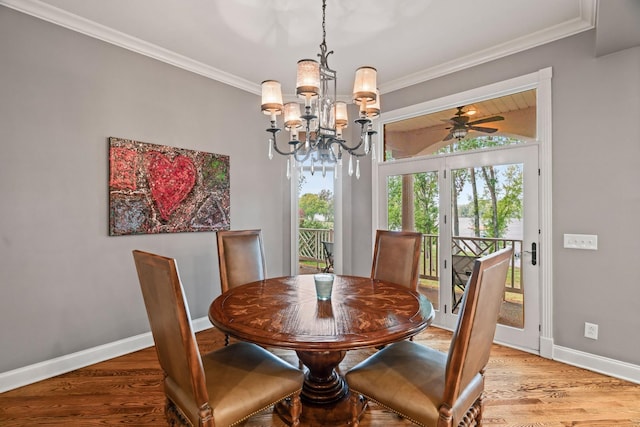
x=310, y=249
x=310, y=243
x=473, y=247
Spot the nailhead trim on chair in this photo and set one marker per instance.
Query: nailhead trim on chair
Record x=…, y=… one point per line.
x=176, y=418
x=174, y=415
x=367, y=398
x=260, y=410
x=468, y=420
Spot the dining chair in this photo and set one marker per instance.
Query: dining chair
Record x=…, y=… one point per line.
x=327, y=249
x=461, y=267
x=396, y=257
x=429, y=387
x=221, y=388
x=240, y=257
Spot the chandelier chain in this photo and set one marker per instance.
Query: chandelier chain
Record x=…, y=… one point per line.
x=324, y=30
x=324, y=55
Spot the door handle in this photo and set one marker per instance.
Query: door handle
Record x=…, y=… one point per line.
x=534, y=253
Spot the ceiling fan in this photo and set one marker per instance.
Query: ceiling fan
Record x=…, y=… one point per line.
x=462, y=125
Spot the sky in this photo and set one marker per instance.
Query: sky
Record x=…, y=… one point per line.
x=314, y=184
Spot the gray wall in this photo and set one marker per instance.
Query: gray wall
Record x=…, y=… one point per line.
x=596, y=150
x=66, y=285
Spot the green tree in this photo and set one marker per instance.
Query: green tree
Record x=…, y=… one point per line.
x=394, y=202
x=312, y=206
x=459, y=178
x=426, y=202
x=507, y=189
x=327, y=196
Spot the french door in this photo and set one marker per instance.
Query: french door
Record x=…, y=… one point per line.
x=471, y=204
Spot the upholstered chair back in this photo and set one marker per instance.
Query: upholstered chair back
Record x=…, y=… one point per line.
x=175, y=342
x=471, y=343
x=240, y=257
x=396, y=257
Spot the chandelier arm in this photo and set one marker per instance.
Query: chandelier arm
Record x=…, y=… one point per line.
x=304, y=158
x=274, y=144
x=363, y=131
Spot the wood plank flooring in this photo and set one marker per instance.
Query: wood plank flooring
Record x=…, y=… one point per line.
x=522, y=390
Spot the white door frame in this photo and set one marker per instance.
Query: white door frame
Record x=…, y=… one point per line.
x=541, y=81
x=337, y=220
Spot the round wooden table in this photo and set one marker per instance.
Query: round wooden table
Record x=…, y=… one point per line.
x=284, y=312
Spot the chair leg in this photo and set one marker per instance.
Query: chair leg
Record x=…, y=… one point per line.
x=296, y=409
x=473, y=417
x=174, y=417
x=480, y=408
x=358, y=404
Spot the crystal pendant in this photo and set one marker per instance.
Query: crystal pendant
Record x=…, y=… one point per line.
x=358, y=169
x=367, y=143
x=373, y=151
x=324, y=170
x=335, y=171
x=313, y=166
x=350, y=165
x=288, y=168
x=270, y=148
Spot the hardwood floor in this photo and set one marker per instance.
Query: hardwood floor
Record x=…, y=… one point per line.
x=522, y=390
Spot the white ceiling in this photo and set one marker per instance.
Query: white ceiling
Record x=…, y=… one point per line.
x=243, y=42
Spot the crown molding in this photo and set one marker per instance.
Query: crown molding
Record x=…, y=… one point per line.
x=586, y=22
x=90, y=28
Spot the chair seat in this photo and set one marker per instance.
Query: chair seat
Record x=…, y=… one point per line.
x=242, y=378
x=409, y=378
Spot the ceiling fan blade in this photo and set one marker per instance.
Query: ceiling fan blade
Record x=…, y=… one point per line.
x=486, y=120
x=448, y=137
x=483, y=129
x=457, y=121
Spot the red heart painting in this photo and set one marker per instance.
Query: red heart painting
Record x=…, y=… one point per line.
x=170, y=181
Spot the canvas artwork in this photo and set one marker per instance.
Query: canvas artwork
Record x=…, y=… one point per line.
x=160, y=189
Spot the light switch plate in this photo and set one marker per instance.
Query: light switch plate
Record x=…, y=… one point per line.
x=581, y=241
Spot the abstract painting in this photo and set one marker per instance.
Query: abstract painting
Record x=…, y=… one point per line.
x=160, y=189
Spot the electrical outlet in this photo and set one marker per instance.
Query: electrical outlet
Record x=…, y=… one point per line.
x=581, y=241
x=591, y=330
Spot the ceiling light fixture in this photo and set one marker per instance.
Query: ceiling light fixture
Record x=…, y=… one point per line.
x=316, y=134
x=459, y=133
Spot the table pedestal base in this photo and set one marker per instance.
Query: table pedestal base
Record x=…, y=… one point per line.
x=337, y=414
x=325, y=394
x=322, y=384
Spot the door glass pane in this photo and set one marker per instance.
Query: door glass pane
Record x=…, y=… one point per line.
x=487, y=207
x=315, y=221
x=413, y=205
x=510, y=119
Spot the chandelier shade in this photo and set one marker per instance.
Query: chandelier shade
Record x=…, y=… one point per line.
x=364, y=87
x=271, y=97
x=373, y=110
x=316, y=133
x=308, y=78
x=292, y=118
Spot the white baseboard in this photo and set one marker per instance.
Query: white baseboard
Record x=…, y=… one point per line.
x=603, y=365
x=546, y=347
x=40, y=371
x=50, y=368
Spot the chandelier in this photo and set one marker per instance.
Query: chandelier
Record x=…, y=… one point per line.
x=315, y=130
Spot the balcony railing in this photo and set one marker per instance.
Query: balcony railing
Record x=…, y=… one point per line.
x=473, y=247
x=310, y=249
x=310, y=243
